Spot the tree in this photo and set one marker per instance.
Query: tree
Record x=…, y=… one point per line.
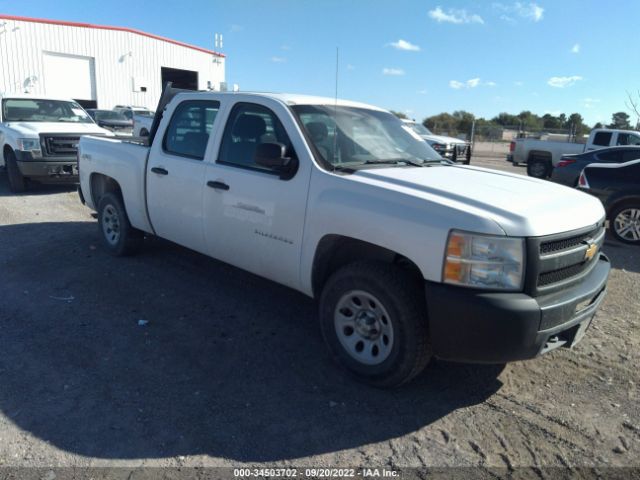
x=551, y=122
x=598, y=125
x=442, y=123
x=634, y=105
x=465, y=120
x=400, y=115
x=506, y=120
x=620, y=120
x=576, y=122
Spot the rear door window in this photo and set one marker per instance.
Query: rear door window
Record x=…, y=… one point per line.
x=188, y=132
x=629, y=155
x=602, y=139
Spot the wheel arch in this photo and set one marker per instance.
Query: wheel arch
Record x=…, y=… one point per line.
x=541, y=154
x=622, y=199
x=335, y=251
x=101, y=184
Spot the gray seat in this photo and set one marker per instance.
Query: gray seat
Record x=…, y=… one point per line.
x=248, y=128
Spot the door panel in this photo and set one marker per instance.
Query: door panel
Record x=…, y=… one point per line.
x=176, y=174
x=257, y=222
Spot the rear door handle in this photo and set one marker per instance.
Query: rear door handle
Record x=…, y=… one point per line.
x=217, y=185
x=160, y=170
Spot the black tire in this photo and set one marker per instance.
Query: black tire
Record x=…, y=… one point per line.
x=399, y=294
x=17, y=182
x=538, y=167
x=116, y=233
x=614, y=226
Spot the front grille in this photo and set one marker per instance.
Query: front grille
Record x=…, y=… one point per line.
x=556, y=276
x=567, y=243
x=561, y=259
x=61, y=145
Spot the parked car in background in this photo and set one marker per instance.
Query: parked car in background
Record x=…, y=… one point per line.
x=541, y=156
x=142, y=125
x=112, y=120
x=409, y=255
x=39, y=138
x=130, y=110
x=569, y=167
x=618, y=188
x=450, y=148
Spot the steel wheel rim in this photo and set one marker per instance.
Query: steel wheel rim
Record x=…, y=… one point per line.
x=538, y=169
x=627, y=224
x=363, y=327
x=111, y=224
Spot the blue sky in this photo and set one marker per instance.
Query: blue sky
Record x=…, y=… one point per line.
x=420, y=57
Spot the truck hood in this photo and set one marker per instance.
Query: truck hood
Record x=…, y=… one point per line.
x=521, y=206
x=33, y=129
x=442, y=139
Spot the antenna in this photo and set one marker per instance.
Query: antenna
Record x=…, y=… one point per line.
x=337, y=57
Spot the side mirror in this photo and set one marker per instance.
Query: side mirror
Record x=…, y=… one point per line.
x=272, y=155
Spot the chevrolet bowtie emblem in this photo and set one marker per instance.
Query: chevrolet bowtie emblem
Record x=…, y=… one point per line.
x=591, y=251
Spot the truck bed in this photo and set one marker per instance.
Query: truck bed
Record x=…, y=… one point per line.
x=123, y=159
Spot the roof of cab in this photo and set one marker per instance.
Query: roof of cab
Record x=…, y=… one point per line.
x=32, y=96
x=296, y=99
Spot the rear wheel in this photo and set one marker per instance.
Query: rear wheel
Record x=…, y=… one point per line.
x=17, y=182
x=624, y=223
x=539, y=167
x=373, y=318
x=118, y=236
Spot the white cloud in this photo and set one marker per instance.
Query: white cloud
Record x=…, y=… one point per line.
x=392, y=71
x=575, y=48
x=285, y=47
x=404, y=45
x=561, y=82
x=278, y=59
x=530, y=11
x=236, y=28
x=471, y=83
x=518, y=83
x=350, y=67
x=423, y=91
x=453, y=15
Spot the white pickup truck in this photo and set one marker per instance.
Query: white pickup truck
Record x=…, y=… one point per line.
x=39, y=138
x=450, y=148
x=409, y=256
x=541, y=156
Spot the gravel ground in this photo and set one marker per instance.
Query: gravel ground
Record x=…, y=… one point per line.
x=230, y=369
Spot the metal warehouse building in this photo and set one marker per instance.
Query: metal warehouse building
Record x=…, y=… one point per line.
x=99, y=66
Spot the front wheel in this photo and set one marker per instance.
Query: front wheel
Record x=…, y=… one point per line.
x=373, y=318
x=118, y=236
x=17, y=182
x=624, y=223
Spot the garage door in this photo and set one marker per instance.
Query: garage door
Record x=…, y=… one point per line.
x=69, y=76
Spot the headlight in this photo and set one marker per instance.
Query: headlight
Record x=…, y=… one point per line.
x=438, y=147
x=28, y=144
x=484, y=261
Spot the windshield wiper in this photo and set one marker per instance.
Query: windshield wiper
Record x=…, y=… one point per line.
x=394, y=161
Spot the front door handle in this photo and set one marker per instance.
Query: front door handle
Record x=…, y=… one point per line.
x=217, y=185
x=160, y=170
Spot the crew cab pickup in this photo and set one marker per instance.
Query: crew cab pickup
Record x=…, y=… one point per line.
x=409, y=255
x=450, y=148
x=541, y=156
x=39, y=138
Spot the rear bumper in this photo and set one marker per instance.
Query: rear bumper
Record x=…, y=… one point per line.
x=471, y=326
x=63, y=169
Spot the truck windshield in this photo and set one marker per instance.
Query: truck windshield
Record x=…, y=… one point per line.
x=355, y=136
x=419, y=128
x=144, y=113
x=42, y=110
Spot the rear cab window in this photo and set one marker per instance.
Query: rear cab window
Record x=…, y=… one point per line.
x=602, y=139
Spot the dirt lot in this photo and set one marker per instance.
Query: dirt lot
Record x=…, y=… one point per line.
x=231, y=369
